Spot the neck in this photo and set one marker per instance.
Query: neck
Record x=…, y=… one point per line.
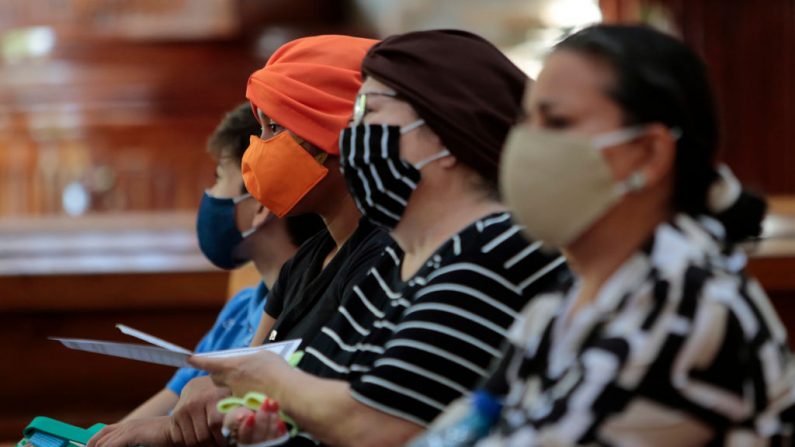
x=269, y=257
x=432, y=219
x=601, y=251
x=268, y=271
x=341, y=219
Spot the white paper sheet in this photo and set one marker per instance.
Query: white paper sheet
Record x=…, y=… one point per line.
x=165, y=353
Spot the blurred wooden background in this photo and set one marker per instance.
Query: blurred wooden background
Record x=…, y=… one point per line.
x=105, y=107
x=118, y=97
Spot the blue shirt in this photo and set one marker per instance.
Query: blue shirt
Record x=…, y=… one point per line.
x=234, y=328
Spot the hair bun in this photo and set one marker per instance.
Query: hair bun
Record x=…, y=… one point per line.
x=741, y=211
x=743, y=218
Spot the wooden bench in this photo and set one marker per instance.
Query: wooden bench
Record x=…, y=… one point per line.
x=78, y=278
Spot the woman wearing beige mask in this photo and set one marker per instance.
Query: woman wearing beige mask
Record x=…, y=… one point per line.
x=661, y=339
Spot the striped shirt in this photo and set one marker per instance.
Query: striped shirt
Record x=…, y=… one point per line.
x=678, y=347
x=409, y=348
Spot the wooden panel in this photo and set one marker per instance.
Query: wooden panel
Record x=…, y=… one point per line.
x=749, y=47
x=140, y=19
x=79, y=278
x=772, y=260
x=40, y=377
x=130, y=130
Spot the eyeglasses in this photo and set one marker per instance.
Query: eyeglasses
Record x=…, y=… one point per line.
x=360, y=105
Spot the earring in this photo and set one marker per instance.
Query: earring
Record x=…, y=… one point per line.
x=635, y=182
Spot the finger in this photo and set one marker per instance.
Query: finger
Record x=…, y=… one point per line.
x=108, y=441
x=200, y=427
x=265, y=425
x=273, y=406
x=214, y=424
x=95, y=440
x=185, y=427
x=175, y=433
x=233, y=420
x=115, y=438
x=209, y=364
x=188, y=437
x=245, y=432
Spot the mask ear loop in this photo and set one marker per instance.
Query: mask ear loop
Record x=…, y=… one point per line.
x=411, y=126
x=617, y=137
x=250, y=231
x=241, y=198
x=441, y=154
x=637, y=180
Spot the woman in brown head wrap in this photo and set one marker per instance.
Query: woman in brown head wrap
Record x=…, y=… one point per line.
x=420, y=159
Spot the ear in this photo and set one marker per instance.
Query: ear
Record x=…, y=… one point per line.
x=448, y=162
x=661, y=141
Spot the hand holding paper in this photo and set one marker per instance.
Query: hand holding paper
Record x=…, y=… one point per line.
x=243, y=374
x=165, y=353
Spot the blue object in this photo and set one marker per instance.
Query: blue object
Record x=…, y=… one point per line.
x=485, y=410
x=216, y=227
x=234, y=328
x=40, y=439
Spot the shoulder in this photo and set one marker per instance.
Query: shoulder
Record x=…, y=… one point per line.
x=371, y=245
x=369, y=239
x=310, y=246
x=240, y=301
x=494, y=249
x=300, y=261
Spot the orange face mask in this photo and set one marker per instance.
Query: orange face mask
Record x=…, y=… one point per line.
x=278, y=172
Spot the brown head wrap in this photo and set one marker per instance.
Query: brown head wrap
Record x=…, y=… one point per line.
x=464, y=88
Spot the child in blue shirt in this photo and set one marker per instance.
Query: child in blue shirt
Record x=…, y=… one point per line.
x=235, y=327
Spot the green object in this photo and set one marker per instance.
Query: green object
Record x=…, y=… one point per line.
x=295, y=358
x=47, y=432
x=254, y=400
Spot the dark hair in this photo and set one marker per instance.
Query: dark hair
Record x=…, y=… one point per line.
x=231, y=137
x=660, y=80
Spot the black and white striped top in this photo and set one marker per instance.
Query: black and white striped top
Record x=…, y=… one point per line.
x=679, y=347
x=410, y=348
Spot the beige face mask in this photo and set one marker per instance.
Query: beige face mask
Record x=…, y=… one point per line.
x=558, y=185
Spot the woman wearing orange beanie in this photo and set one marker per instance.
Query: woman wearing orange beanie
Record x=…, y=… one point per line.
x=303, y=97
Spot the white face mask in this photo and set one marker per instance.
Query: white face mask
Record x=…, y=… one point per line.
x=559, y=184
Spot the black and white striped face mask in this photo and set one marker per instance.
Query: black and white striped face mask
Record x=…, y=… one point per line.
x=379, y=180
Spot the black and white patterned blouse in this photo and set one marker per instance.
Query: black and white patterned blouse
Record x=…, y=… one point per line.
x=678, y=348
